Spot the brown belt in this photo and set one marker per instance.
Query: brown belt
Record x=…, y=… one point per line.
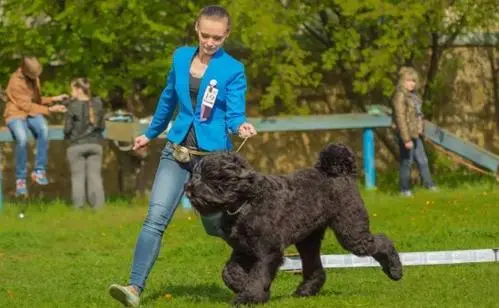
x=188, y=149
x=183, y=154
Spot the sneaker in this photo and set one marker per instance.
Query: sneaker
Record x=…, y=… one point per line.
x=21, y=189
x=127, y=295
x=406, y=193
x=39, y=177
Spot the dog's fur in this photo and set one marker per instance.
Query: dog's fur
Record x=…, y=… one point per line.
x=264, y=214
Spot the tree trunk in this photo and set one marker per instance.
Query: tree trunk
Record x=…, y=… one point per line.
x=433, y=69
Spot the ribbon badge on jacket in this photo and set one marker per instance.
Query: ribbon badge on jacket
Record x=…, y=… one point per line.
x=209, y=97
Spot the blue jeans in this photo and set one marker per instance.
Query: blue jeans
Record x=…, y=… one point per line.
x=19, y=129
x=407, y=157
x=167, y=190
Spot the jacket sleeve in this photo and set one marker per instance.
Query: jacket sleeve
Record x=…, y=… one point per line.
x=400, y=120
x=236, y=101
x=68, y=123
x=18, y=94
x=164, y=109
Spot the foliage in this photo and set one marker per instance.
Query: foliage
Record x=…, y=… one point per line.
x=125, y=43
x=288, y=46
x=364, y=43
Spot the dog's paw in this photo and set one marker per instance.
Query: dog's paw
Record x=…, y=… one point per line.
x=310, y=289
x=302, y=293
x=244, y=298
x=394, y=272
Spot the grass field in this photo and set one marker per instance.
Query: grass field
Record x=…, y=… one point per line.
x=58, y=257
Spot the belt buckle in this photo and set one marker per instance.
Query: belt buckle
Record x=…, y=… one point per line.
x=181, y=154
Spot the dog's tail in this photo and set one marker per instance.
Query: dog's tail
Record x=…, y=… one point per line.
x=337, y=160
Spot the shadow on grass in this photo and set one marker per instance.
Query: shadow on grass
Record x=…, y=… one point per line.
x=197, y=293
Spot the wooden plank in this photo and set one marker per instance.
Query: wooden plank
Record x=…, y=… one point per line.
x=273, y=124
x=320, y=122
x=461, y=147
x=293, y=263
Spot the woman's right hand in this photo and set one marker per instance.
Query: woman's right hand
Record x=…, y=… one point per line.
x=57, y=108
x=409, y=145
x=140, y=142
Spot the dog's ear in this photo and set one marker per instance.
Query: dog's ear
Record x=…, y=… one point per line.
x=249, y=183
x=240, y=161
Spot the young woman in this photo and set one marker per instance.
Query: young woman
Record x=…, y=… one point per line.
x=83, y=128
x=208, y=86
x=407, y=106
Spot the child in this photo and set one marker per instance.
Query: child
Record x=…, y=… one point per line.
x=408, y=115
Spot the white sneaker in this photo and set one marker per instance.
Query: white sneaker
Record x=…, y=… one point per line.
x=406, y=193
x=127, y=295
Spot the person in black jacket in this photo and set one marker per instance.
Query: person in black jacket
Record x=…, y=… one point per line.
x=84, y=127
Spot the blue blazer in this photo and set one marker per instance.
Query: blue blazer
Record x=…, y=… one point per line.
x=228, y=113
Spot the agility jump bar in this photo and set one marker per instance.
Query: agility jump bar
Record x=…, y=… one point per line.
x=293, y=263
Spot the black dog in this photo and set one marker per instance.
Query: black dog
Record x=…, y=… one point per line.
x=264, y=214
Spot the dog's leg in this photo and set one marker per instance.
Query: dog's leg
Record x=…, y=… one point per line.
x=236, y=270
x=354, y=235
x=387, y=256
x=257, y=288
x=313, y=273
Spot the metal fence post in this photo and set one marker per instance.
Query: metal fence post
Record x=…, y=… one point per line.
x=369, y=158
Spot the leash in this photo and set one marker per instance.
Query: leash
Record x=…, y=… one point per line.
x=238, y=210
x=241, y=145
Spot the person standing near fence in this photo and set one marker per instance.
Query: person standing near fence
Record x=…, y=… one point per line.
x=208, y=86
x=408, y=116
x=25, y=111
x=84, y=127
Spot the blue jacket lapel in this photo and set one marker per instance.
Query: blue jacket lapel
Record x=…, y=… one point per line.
x=185, y=75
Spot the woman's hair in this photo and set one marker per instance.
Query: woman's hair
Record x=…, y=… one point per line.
x=84, y=85
x=214, y=11
x=406, y=73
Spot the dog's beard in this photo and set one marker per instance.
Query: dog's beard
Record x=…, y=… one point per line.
x=220, y=182
x=204, y=198
x=211, y=197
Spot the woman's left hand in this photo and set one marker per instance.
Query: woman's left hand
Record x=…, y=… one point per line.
x=246, y=130
x=59, y=98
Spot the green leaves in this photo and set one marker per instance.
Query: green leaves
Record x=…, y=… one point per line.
x=288, y=47
x=115, y=43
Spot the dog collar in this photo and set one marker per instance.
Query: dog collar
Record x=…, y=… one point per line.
x=238, y=210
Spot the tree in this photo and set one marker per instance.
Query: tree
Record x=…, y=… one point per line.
x=287, y=46
x=293, y=45
x=116, y=43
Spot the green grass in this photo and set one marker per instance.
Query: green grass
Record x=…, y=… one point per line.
x=57, y=257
